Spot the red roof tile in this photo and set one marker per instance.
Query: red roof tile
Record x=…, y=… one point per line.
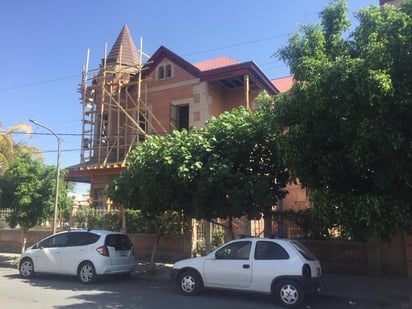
x=215, y=63
x=283, y=83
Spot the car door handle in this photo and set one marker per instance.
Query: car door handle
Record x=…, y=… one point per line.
x=246, y=266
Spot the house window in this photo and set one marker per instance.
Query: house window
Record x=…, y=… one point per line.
x=180, y=117
x=99, y=198
x=168, y=71
x=161, y=72
x=164, y=71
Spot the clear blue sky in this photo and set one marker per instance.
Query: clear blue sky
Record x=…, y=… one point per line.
x=44, y=45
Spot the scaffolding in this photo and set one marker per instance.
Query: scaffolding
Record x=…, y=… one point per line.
x=115, y=116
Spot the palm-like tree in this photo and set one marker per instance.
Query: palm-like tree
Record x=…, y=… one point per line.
x=9, y=147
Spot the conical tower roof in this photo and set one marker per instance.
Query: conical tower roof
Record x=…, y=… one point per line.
x=129, y=55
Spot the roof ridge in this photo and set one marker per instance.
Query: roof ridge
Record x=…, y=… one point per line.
x=124, y=42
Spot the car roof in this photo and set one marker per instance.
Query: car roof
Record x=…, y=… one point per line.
x=95, y=231
x=281, y=240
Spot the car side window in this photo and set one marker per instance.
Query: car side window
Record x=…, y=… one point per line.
x=235, y=251
x=58, y=240
x=268, y=250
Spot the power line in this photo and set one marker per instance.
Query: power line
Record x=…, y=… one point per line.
x=52, y=151
x=185, y=55
x=238, y=44
x=39, y=82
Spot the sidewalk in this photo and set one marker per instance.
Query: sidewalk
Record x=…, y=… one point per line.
x=385, y=292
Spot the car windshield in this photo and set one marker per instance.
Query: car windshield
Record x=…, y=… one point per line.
x=305, y=252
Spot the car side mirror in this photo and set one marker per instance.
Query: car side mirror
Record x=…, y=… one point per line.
x=211, y=256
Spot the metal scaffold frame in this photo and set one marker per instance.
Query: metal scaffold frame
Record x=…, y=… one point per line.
x=115, y=118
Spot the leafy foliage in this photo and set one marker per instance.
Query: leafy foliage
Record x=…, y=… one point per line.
x=345, y=126
x=27, y=188
x=226, y=170
x=241, y=175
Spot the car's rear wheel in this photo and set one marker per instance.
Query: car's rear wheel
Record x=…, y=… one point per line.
x=87, y=273
x=289, y=293
x=189, y=282
x=26, y=268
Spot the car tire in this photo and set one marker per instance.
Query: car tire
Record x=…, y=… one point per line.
x=289, y=293
x=87, y=273
x=189, y=283
x=26, y=268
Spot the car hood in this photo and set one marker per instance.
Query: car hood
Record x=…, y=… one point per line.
x=197, y=261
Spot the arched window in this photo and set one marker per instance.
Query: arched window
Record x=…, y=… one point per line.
x=161, y=72
x=168, y=71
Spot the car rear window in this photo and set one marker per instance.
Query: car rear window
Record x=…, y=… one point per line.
x=82, y=239
x=118, y=241
x=305, y=252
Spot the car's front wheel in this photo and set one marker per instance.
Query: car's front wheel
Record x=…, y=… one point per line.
x=26, y=268
x=87, y=273
x=189, y=282
x=289, y=293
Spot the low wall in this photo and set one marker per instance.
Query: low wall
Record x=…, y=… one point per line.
x=371, y=258
x=348, y=257
x=170, y=248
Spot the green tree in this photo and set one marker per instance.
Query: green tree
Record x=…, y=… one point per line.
x=27, y=188
x=241, y=175
x=157, y=180
x=344, y=128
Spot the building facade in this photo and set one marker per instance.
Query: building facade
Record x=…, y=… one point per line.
x=126, y=99
x=132, y=95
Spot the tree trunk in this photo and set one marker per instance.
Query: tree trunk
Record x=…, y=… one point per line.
x=155, y=245
x=267, y=218
x=123, y=228
x=230, y=226
x=23, y=245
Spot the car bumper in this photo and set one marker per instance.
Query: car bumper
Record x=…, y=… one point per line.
x=173, y=274
x=312, y=286
x=116, y=269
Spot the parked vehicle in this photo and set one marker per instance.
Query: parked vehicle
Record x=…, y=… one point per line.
x=83, y=253
x=282, y=267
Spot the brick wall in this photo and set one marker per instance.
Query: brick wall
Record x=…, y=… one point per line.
x=348, y=257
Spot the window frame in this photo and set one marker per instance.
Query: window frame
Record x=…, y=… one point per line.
x=225, y=253
x=164, y=71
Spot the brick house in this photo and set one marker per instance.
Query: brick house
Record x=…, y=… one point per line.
x=126, y=99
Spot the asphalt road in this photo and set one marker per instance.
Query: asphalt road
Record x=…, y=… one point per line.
x=51, y=291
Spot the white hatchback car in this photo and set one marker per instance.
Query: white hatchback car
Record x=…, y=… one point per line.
x=83, y=253
x=282, y=267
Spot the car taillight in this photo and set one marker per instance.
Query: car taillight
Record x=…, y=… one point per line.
x=306, y=271
x=103, y=251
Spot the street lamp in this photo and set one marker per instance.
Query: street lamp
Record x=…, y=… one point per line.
x=56, y=195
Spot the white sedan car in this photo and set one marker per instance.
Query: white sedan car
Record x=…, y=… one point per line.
x=282, y=267
x=82, y=253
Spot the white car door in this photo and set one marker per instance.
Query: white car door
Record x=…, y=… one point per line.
x=271, y=260
x=48, y=253
x=75, y=251
x=230, y=267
